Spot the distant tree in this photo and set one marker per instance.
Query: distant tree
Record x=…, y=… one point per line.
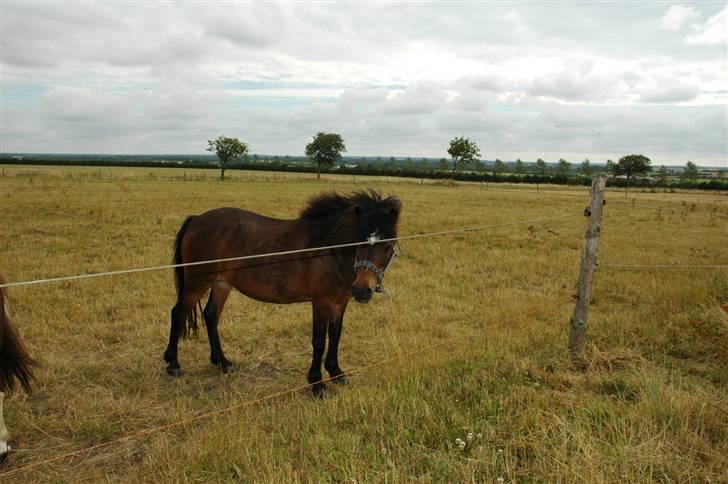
x=586, y=168
x=541, y=168
x=691, y=171
x=276, y=159
x=409, y=165
x=662, y=176
x=563, y=168
x=464, y=152
x=611, y=167
x=325, y=149
x=630, y=166
x=380, y=164
x=392, y=165
x=255, y=157
x=498, y=167
x=227, y=150
x=444, y=165
x=519, y=168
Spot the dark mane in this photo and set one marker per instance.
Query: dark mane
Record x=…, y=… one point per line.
x=353, y=217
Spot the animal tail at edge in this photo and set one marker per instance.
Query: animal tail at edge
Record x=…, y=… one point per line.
x=15, y=362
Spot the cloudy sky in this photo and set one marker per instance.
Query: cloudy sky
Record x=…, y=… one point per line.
x=528, y=80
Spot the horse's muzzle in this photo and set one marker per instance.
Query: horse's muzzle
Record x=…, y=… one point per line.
x=362, y=294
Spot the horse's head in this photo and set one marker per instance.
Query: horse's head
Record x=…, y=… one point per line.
x=374, y=258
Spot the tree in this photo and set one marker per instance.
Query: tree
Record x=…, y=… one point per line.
x=563, y=168
x=444, y=165
x=498, y=167
x=409, y=165
x=392, y=165
x=691, y=171
x=630, y=166
x=611, y=167
x=541, y=167
x=325, y=149
x=520, y=170
x=227, y=150
x=463, y=152
x=586, y=168
x=662, y=176
x=423, y=165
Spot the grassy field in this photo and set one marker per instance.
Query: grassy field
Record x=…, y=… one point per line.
x=474, y=340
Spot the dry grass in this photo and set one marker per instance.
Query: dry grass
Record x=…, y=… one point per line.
x=652, y=405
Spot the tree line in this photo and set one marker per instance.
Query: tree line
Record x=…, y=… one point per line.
x=325, y=152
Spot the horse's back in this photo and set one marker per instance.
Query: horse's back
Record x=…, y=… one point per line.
x=233, y=232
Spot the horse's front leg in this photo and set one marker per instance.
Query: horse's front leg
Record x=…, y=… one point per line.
x=332, y=355
x=4, y=435
x=321, y=316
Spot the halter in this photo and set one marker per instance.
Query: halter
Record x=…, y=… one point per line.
x=370, y=266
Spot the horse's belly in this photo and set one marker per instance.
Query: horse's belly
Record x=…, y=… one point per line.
x=272, y=287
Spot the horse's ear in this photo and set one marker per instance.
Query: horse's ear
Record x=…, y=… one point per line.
x=395, y=206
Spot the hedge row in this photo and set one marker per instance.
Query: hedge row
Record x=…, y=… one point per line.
x=531, y=178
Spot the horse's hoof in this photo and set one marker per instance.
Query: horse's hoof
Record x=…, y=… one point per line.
x=319, y=390
x=174, y=372
x=340, y=379
x=227, y=369
x=4, y=451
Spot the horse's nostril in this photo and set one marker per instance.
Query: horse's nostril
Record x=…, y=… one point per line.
x=362, y=294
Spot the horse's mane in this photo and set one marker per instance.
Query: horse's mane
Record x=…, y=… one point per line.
x=352, y=218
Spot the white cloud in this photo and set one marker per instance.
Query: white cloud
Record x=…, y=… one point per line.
x=677, y=16
x=393, y=79
x=713, y=32
x=671, y=91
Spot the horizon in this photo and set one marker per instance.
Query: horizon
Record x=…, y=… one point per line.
x=574, y=163
x=551, y=80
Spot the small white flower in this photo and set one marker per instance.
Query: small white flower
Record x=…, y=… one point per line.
x=461, y=445
x=480, y=436
x=470, y=437
x=500, y=480
x=500, y=451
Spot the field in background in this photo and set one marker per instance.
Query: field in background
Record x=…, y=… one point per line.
x=651, y=406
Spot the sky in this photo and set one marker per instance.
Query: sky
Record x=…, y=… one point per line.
x=524, y=80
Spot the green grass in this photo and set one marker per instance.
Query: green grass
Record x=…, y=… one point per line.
x=650, y=406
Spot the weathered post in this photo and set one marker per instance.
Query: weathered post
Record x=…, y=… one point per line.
x=588, y=265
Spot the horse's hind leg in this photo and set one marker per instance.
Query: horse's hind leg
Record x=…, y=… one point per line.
x=218, y=295
x=180, y=312
x=4, y=435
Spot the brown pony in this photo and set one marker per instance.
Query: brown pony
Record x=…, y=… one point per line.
x=15, y=364
x=327, y=278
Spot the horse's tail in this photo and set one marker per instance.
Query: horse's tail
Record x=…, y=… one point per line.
x=15, y=363
x=179, y=274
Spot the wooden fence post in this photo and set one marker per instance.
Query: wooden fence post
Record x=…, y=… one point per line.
x=588, y=265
